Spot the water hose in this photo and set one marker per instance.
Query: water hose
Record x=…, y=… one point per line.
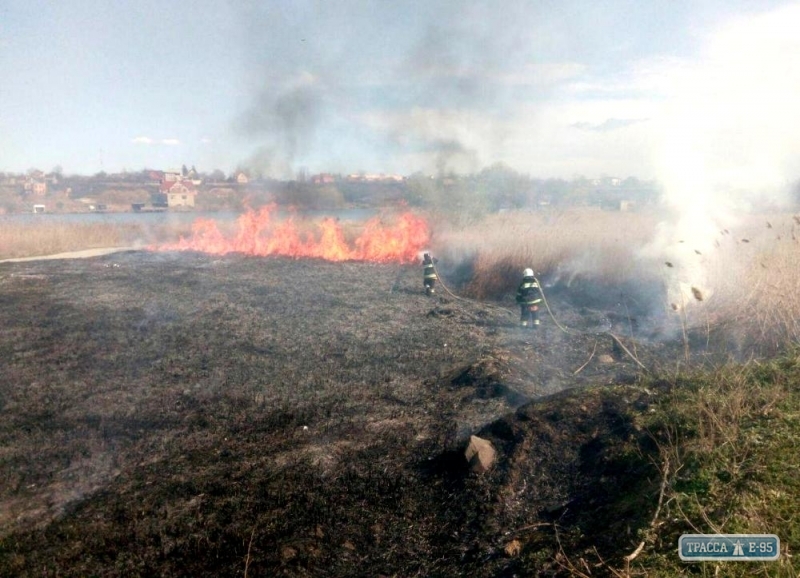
x=552, y=316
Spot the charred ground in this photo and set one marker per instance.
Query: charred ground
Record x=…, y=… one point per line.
x=186, y=415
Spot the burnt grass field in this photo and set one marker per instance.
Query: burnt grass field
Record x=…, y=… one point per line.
x=179, y=414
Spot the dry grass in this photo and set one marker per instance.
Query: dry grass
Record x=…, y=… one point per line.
x=582, y=241
x=46, y=238
x=754, y=285
x=743, y=286
x=731, y=437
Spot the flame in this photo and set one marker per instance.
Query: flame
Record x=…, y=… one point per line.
x=258, y=233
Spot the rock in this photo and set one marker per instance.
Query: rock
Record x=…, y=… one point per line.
x=513, y=548
x=480, y=454
x=605, y=358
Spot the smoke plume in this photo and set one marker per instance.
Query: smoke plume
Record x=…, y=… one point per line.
x=729, y=138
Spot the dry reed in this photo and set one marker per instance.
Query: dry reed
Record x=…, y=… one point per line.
x=31, y=239
x=746, y=291
x=582, y=241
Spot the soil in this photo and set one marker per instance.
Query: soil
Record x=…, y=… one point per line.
x=177, y=414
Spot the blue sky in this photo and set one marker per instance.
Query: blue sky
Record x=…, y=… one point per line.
x=551, y=88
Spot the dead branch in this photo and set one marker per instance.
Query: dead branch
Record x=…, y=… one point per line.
x=626, y=350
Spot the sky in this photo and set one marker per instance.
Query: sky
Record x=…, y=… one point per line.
x=696, y=93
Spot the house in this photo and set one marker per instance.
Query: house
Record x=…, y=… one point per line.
x=322, y=179
x=38, y=208
x=35, y=186
x=177, y=193
x=242, y=178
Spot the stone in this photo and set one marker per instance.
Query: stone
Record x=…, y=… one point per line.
x=480, y=454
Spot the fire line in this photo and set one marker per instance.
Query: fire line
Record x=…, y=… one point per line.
x=258, y=233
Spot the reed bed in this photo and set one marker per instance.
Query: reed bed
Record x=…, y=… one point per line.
x=742, y=285
x=563, y=244
x=39, y=238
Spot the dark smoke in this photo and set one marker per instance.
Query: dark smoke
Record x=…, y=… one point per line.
x=451, y=68
x=432, y=97
x=454, y=157
x=285, y=123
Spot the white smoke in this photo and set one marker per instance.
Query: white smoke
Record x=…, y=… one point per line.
x=729, y=139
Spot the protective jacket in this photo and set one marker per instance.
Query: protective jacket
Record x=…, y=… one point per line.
x=428, y=270
x=528, y=292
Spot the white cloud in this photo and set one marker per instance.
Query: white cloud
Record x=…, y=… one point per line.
x=608, y=124
x=146, y=140
x=541, y=75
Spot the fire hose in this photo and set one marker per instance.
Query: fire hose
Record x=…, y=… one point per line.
x=552, y=316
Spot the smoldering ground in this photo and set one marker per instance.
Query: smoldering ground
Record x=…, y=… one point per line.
x=177, y=413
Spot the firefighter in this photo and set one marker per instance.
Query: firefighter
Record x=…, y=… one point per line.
x=429, y=274
x=529, y=296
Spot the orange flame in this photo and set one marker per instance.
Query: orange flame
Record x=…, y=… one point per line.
x=258, y=234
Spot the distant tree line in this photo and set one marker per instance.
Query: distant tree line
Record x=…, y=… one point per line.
x=495, y=188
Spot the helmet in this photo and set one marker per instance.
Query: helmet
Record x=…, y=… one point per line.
x=527, y=272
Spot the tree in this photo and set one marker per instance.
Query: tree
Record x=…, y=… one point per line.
x=422, y=191
x=503, y=186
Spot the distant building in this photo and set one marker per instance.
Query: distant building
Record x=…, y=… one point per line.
x=242, y=178
x=38, y=208
x=607, y=182
x=322, y=179
x=374, y=178
x=174, y=194
x=35, y=186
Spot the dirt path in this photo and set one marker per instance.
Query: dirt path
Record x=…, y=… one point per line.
x=71, y=255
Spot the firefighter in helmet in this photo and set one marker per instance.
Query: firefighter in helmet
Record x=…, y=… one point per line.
x=429, y=274
x=528, y=297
